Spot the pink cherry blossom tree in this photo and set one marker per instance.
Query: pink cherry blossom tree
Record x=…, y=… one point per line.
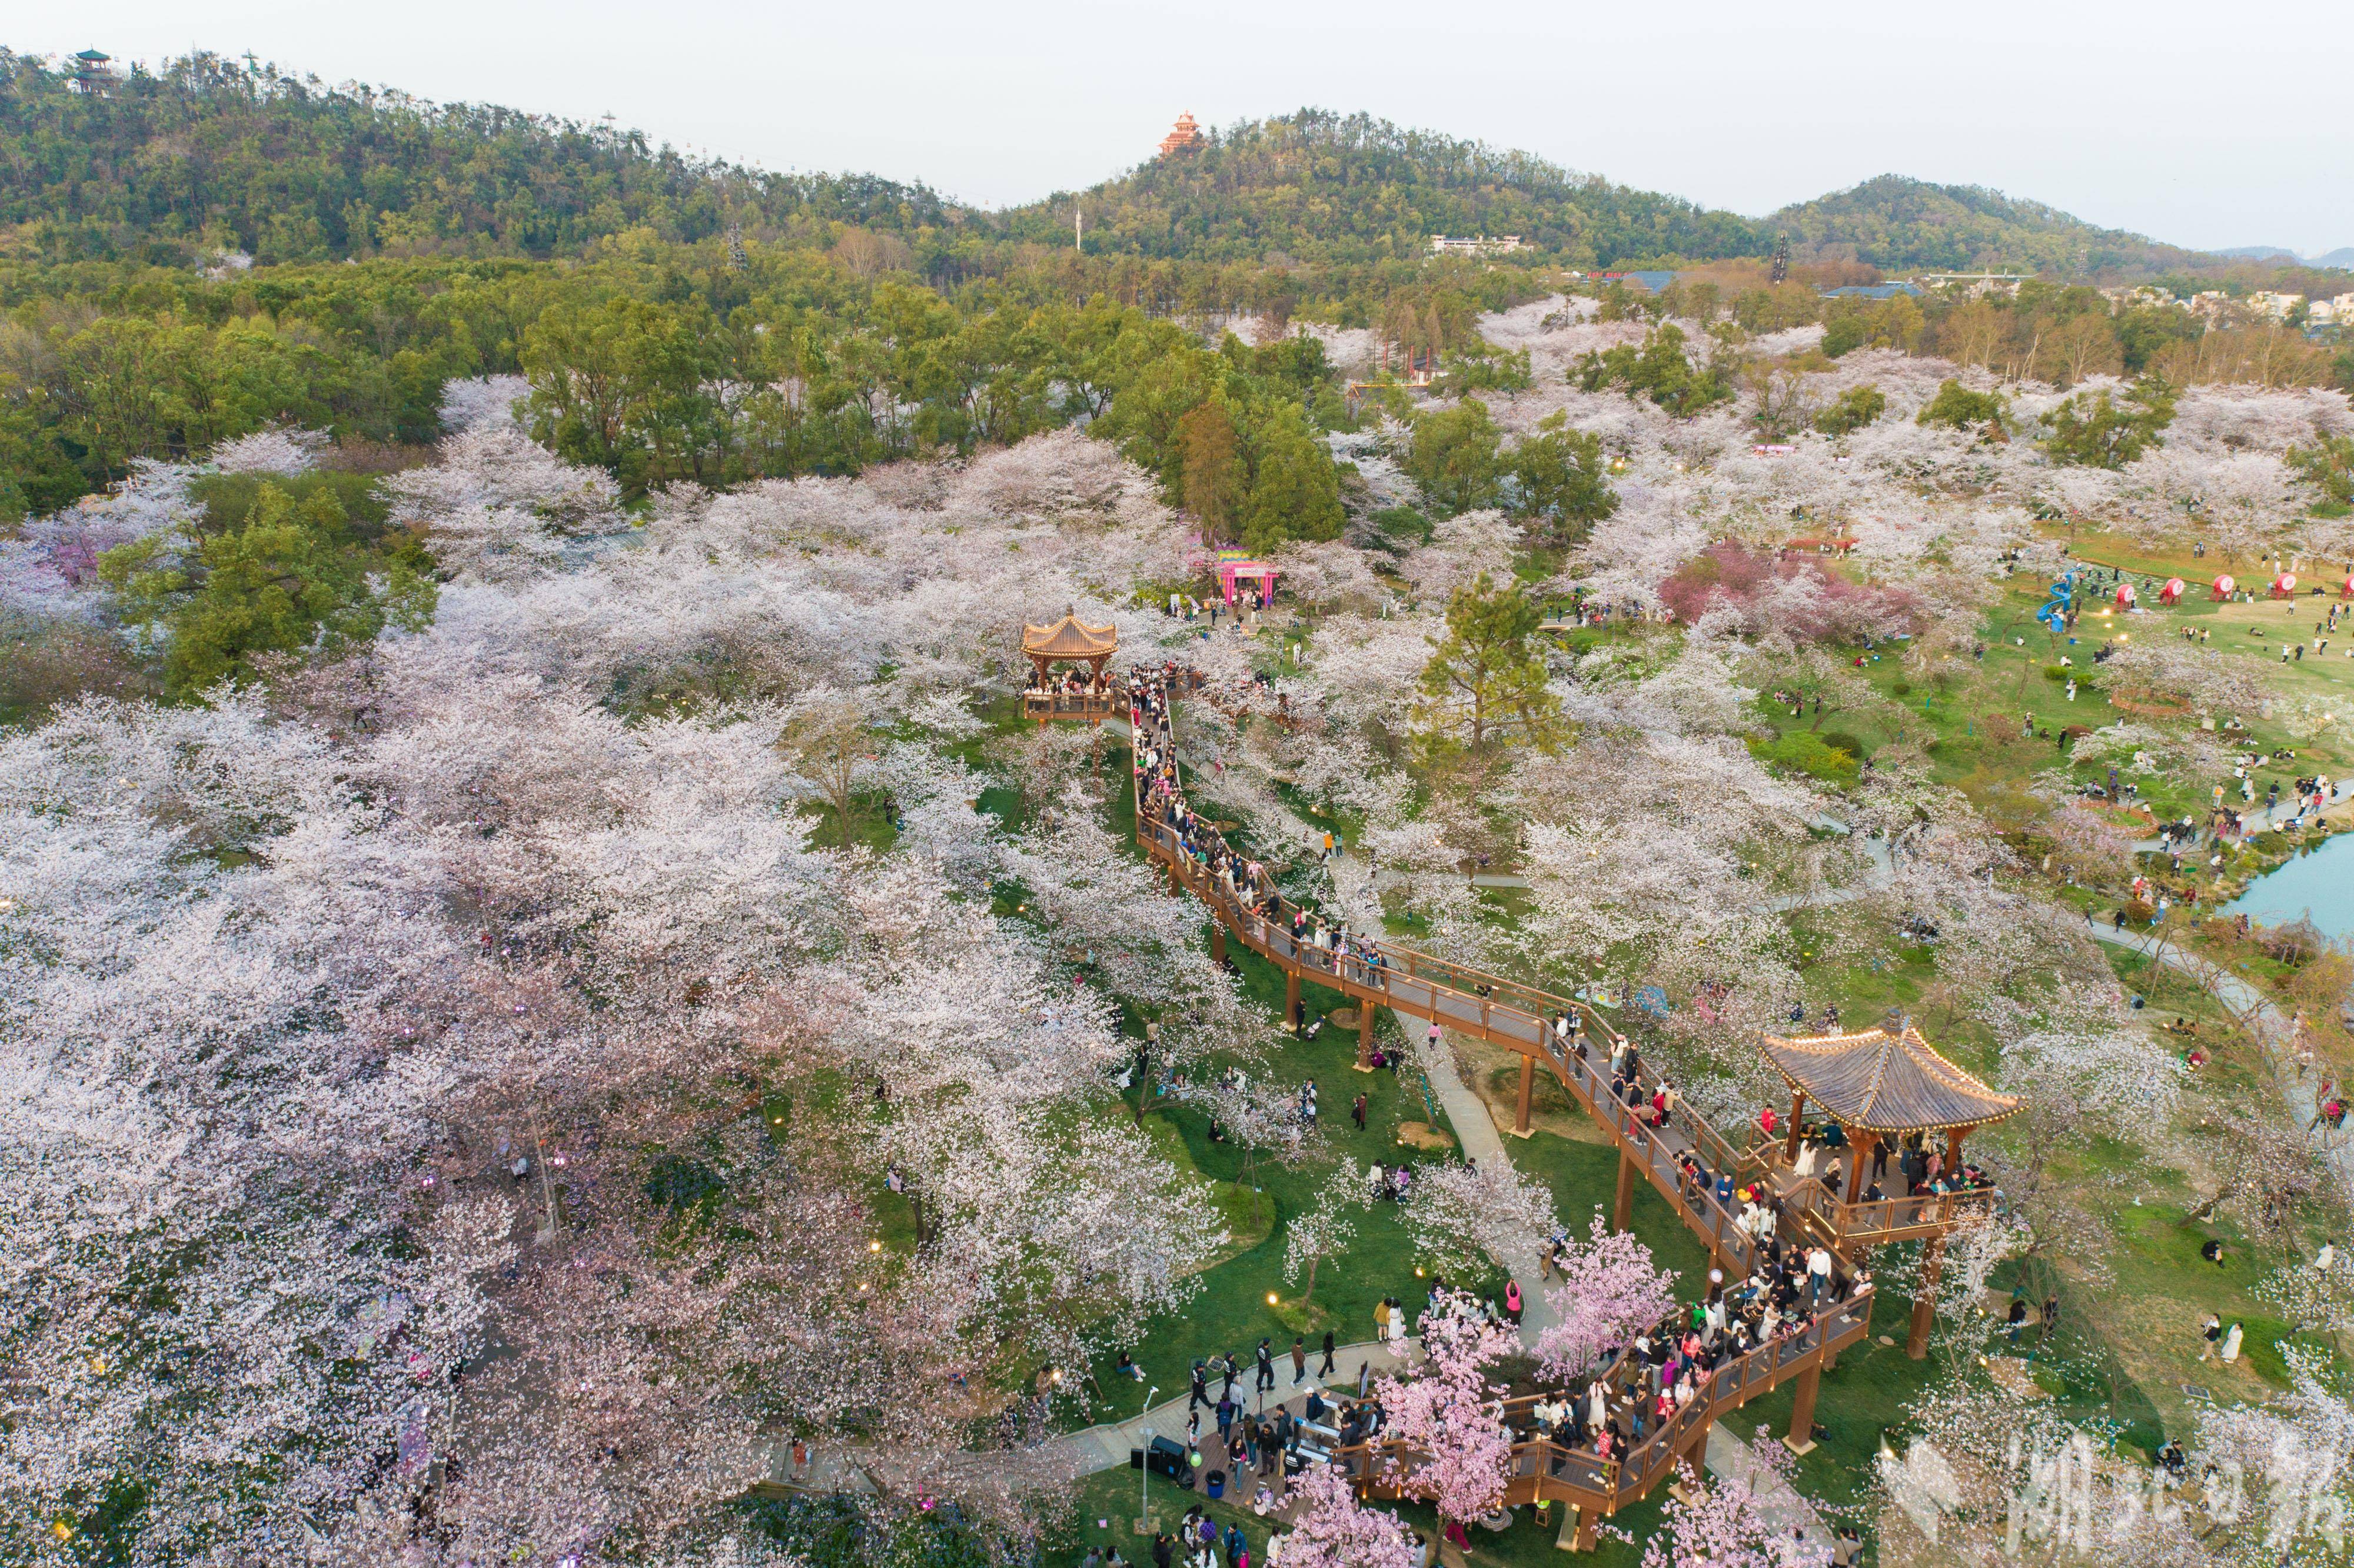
x=1610, y=1291
x=1454, y=1451
x=1335, y=1529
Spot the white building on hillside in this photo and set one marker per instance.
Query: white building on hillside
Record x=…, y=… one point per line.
x=1443, y=245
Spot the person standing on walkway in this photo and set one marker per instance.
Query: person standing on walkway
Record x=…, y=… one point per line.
x=1226, y=1418
x=1201, y=1395
x=1512, y=1301
x=1266, y=1367
x=1326, y=1369
x=1298, y=1360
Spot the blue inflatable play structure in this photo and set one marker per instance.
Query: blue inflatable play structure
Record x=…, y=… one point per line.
x=2054, y=613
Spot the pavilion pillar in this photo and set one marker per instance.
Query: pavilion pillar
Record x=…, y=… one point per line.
x=1291, y=998
x=1528, y=1080
x=1924, y=1300
x=1954, y=1150
x=1862, y=1153
x=1790, y=1143
x=1622, y=1212
x=1801, y=1436
x=1366, y=1011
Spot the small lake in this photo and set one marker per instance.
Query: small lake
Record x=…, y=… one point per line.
x=2321, y=884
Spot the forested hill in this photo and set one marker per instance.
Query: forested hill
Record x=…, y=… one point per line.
x=1322, y=187
x=1897, y=222
x=204, y=153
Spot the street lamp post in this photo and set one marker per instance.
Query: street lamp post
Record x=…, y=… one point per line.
x=1144, y=1471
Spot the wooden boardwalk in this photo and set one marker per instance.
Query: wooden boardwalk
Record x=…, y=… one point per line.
x=1520, y=1018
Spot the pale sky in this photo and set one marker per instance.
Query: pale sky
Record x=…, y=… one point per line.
x=2202, y=128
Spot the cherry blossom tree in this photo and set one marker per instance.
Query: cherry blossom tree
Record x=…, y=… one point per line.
x=1447, y=1421
x=1725, y=1523
x=1610, y=1291
x=1333, y=1530
x=1323, y=1228
x=1469, y=1217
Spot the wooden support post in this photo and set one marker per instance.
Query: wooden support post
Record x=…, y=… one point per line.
x=1217, y=940
x=1583, y=1539
x=1791, y=1144
x=1291, y=998
x=1924, y=1300
x=1364, y=1034
x=1528, y=1081
x=1622, y=1212
x=1862, y=1153
x=1801, y=1437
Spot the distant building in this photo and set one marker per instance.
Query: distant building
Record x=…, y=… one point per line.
x=2125, y=299
x=1185, y=137
x=2338, y=311
x=89, y=70
x=1446, y=245
x=1871, y=290
x=2273, y=307
x=1979, y=284
x=1651, y=281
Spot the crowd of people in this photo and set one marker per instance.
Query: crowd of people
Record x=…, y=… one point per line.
x=1627, y=1395
x=1244, y=885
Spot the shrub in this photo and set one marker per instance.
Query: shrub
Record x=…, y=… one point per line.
x=1803, y=751
x=1960, y=408
x=1857, y=406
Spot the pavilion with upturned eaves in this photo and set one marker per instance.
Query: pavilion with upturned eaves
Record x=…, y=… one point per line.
x=1069, y=641
x=1881, y=1087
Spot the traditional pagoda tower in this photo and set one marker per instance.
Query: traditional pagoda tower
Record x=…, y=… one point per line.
x=1186, y=137
x=90, y=72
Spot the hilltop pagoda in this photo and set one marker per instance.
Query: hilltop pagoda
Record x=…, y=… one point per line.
x=1185, y=137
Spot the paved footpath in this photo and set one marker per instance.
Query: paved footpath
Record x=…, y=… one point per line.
x=2265, y=1022
x=1728, y=1455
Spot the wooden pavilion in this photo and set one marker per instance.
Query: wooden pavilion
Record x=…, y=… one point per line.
x=1069, y=641
x=1886, y=1085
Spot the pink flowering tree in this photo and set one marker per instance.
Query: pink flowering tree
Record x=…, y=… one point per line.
x=1335, y=1530
x=1611, y=1291
x=1457, y=1455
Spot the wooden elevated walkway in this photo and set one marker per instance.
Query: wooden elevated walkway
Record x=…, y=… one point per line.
x=1520, y=1018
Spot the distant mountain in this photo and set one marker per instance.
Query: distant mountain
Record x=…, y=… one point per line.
x=164, y=164
x=2343, y=257
x=1904, y=224
x=1321, y=186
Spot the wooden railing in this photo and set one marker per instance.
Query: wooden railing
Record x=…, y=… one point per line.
x=1517, y=1015
x=1880, y=1220
x=1096, y=706
x=1544, y=1468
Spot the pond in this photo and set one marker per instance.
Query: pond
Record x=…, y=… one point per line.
x=2320, y=883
